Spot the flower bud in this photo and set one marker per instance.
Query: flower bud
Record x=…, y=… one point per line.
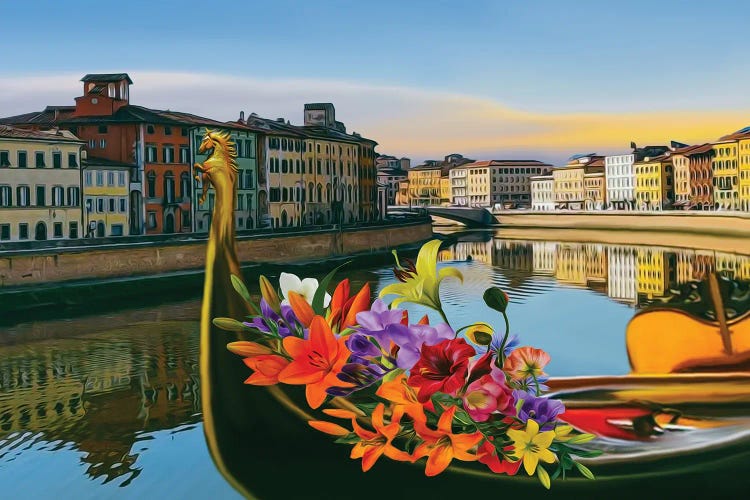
x=480, y=333
x=269, y=294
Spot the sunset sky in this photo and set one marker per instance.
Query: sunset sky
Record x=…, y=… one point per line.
x=537, y=79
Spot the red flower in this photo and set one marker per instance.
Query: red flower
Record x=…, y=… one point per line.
x=489, y=457
x=442, y=367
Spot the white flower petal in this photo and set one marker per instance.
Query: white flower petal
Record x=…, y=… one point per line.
x=326, y=300
x=308, y=288
x=289, y=282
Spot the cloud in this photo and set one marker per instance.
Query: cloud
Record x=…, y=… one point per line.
x=405, y=121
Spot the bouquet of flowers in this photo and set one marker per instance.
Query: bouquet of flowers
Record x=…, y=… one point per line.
x=409, y=390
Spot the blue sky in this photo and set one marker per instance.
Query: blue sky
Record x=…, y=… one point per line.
x=546, y=58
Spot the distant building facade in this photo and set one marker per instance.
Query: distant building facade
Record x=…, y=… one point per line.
x=542, y=192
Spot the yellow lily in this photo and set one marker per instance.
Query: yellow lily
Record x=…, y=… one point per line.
x=420, y=284
x=530, y=445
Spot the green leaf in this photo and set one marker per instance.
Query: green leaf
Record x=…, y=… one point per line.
x=350, y=438
x=229, y=324
x=584, y=470
x=240, y=287
x=320, y=293
x=392, y=374
x=495, y=298
x=543, y=476
x=519, y=404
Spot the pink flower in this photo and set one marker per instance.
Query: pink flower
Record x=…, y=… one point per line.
x=488, y=395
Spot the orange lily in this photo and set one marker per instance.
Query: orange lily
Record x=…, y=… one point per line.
x=344, y=309
x=402, y=395
x=316, y=361
x=372, y=444
x=441, y=446
x=248, y=349
x=266, y=369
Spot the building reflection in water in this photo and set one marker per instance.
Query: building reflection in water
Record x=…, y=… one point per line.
x=100, y=394
x=633, y=275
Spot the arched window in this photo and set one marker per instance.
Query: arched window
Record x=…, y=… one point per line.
x=284, y=167
x=310, y=189
x=284, y=194
x=151, y=184
x=320, y=194
x=185, y=185
x=169, y=191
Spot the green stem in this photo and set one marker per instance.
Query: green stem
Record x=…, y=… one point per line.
x=501, y=353
x=536, y=383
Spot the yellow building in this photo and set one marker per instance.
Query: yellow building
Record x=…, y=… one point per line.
x=106, y=188
x=445, y=190
x=570, y=265
x=569, y=181
x=40, y=185
x=742, y=138
x=654, y=183
x=681, y=164
x=726, y=174
x=425, y=185
x=478, y=185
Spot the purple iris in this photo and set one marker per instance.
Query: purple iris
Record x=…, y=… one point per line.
x=286, y=323
x=410, y=340
x=543, y=410
x=360, y=372
x=360, y=345
x=375, y=321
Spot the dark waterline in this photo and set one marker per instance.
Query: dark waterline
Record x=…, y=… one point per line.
x=108, y=404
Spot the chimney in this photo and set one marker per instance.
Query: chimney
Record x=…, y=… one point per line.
x=280, y=120
x=242, y=117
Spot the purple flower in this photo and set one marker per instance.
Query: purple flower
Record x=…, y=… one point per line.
x=268, y=321
x=410, y=340
x=375, y=321
x=361, y=373
x=360, y=345
x=542, y=409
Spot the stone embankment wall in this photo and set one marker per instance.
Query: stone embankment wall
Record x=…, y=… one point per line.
x=30, y=267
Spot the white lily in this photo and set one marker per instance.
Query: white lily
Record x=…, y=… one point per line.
x=307, y=287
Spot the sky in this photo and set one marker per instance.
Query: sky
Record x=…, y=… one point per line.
x=539, y=79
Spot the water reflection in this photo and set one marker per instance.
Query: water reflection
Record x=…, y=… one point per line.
x=630, y=274
x=99, y=395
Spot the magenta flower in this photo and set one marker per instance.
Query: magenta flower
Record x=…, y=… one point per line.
x=488, y=395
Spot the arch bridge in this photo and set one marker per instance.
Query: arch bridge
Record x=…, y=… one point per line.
x=473, y=217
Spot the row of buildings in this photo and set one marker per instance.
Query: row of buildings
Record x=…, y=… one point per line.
x=459, y=181
x=711, y=176
x=105, y=167
x=627, y=274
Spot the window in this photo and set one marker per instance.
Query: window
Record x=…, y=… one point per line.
x=40, y=159
x=4, y=231
x=72, y=230
x=57, y=230
x=248, y=174
x=74, y=196
x=102, y=129
x=4, y=159
x=123, y=205
x=72, y=160
x=99, y=178
x=240, y=202
x=184, y=132
x=151, y=153
x=116, y=230
x=22, y=196
x=249, y=149
x=151, y=219
x=238, y=148
x=58, y=196
x=284, y=167
x=110, y=178
x=6, y=196
x=185, y=185
x=149, y=129
x=184, y=154
x=168, y=154
x=87, y=178
x=121, y=178
x=167, y=130
x=151, y=184
x=111, y=205
x=40, y=196
x=186, y=218
x=22, y=159
x=103, y=143
x=169, y=193
x=100, y=205
x=23, y=231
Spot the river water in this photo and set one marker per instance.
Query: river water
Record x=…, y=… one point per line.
x=108, y=404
